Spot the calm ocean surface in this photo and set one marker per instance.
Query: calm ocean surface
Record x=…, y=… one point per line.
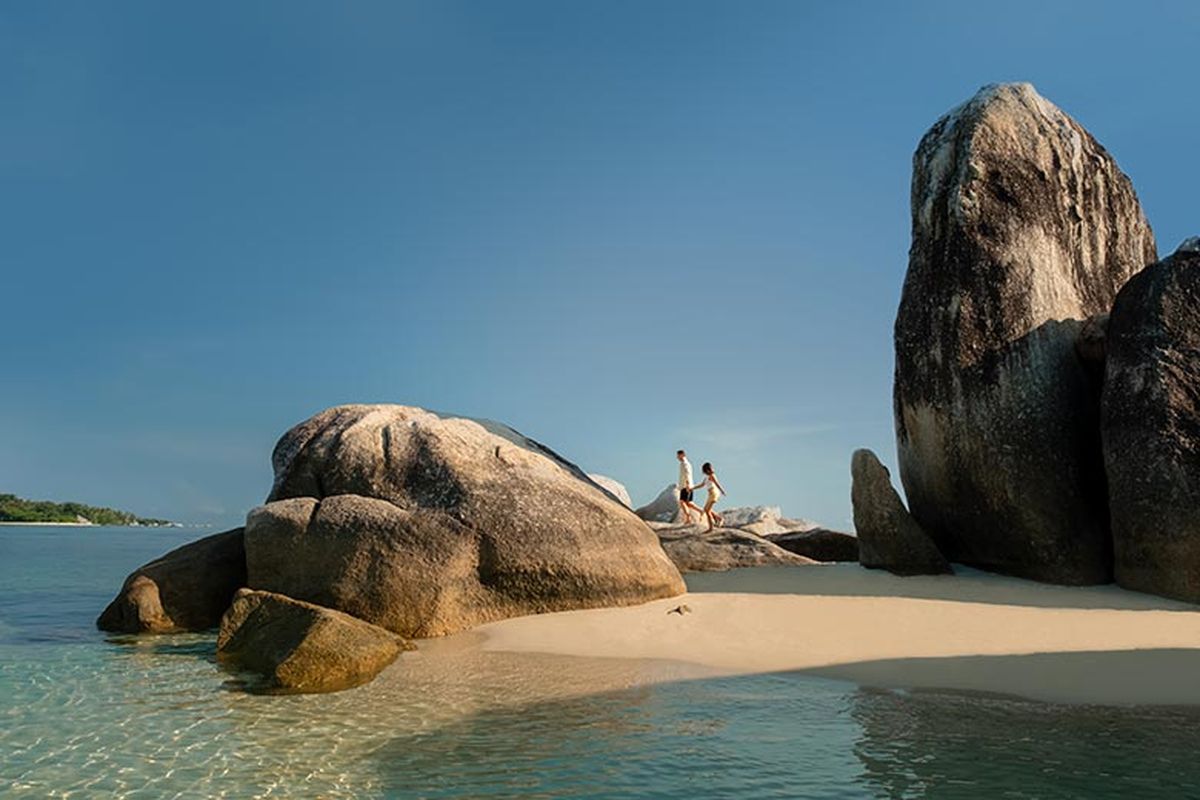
x=85, y=714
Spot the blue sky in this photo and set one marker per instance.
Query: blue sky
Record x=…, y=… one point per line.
x=620, y=227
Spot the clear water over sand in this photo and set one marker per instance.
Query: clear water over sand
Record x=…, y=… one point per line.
x=87, y=714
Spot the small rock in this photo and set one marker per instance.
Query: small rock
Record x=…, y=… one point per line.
x=302, y=647
x=819, y=545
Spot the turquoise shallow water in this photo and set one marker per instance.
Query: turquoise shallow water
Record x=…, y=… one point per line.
x=83, y=714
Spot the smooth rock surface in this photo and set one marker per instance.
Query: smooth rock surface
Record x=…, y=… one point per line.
x=818, y=544
x=1151, y=426
x=888, y=537
x=188, y=589
x=663, y=508
x=613, y=487
x=1023, y=227
x=694, y=549
x=427, y=525
x=301, y=647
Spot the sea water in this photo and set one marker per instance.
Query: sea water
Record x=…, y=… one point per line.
x=88, y=714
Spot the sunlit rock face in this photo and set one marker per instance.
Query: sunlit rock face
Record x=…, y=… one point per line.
x=1023, y=227
x=427, y=524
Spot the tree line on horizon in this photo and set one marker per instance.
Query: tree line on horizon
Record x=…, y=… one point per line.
x=18, y=509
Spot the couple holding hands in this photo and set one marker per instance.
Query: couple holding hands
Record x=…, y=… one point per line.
x=710, y=482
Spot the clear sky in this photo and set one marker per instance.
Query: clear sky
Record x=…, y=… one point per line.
x=620, y=227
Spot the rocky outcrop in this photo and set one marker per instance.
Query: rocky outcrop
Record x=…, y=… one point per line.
x=301, y=647
x=694, y=549
x=1023, y=227
x=1151, y=426
x=818, y=544
x=614, y=487
x=663, y=508
x=888, y=537
x=188, y=589
x=427, y=525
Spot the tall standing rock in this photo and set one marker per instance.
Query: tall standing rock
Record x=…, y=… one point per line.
x=1023, y=227
x=1151, y=425
x=888, y=537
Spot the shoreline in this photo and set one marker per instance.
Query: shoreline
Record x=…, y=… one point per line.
x=83, y=525
x=969, y=632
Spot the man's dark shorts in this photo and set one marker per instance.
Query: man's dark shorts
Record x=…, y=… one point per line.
x=685, y=495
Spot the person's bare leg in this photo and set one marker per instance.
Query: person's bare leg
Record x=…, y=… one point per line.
x=708, y=514
x=683, y=509
x=699, y=511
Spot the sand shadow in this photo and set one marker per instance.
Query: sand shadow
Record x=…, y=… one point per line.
x=965, y=586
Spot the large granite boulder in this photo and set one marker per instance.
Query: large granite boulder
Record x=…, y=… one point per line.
x=818, y=544
x=1023, y=226
x=428, y=524
x=1151, y=426
x=888, y=537
x=695, y=549
x=614, y=487
x=301, y=647
x=188, y=589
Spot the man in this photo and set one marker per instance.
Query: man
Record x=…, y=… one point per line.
x=686, y=506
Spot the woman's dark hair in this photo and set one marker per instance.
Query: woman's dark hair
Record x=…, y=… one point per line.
x=707, y=468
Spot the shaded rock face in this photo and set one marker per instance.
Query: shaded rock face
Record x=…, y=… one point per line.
x=301, y=647
x=693, y=549
x=188, y=589
x=1023, y=227
x=1151, y=425
x=888, y=537
x=427, y=525
x=819, y=544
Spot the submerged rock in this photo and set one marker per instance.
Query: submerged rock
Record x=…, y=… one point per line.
x=818, y=544
x=1023, y=227
x=1151, y=426
x=301, y=647
x=888, y=537
x=694, y=549
x=427, y=525
x=188, y=589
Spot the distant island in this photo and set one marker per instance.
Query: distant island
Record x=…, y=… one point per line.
x=15, y=509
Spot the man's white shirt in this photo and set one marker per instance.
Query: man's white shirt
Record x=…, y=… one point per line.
x=685, y=474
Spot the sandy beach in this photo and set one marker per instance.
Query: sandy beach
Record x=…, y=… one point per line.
x=972, y=631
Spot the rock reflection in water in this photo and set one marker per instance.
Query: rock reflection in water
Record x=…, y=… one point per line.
x=945, y=746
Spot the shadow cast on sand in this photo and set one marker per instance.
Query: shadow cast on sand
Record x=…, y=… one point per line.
x=965, y=586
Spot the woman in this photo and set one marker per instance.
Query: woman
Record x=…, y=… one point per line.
x=715, y=490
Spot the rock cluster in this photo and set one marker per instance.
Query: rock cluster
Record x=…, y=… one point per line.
x=1046, y=387
x=694, y=549
x=390, y=521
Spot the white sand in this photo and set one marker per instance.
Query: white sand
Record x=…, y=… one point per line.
x=972, y=631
